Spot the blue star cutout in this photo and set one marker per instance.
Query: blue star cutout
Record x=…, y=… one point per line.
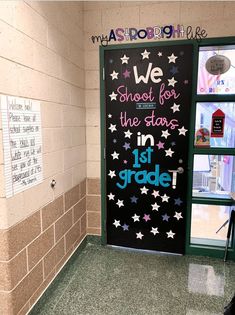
x=173, y=143
x=125, y=227
x=174, y=70
x=165, y=217
x=126, y=146
x=114, y=140
x=134, y=199
x=178, y=201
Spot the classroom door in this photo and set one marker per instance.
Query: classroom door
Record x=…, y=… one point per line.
x=147, y=107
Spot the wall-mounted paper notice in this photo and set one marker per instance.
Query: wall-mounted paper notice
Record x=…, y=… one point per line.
x=22, y=143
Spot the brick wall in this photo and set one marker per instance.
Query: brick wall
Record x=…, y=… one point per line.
x=42, y=57
x=93, y=205
x=33, y=251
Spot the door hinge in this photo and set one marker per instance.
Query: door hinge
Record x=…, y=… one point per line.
x=103, y=74
x=104, y=153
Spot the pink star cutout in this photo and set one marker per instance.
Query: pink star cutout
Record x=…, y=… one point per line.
x=160, y=145
x=126, y=74
x=146, y=217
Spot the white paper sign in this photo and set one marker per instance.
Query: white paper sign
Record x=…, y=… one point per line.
x=22, y=143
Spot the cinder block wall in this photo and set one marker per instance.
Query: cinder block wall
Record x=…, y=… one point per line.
x=216, y=17
x=42, y=57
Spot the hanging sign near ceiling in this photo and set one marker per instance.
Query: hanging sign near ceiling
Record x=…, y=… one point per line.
x=217, y=124
x=150, y=33
x=22, y=143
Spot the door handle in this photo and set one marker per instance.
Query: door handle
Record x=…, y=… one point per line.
x=179, y=170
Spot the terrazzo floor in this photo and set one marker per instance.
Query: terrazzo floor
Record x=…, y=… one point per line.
x=104, y=280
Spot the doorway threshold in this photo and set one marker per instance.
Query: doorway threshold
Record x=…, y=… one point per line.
x=147, y=251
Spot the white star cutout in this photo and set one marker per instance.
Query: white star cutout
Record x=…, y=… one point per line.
x=169, y=152
x=145, y=54
x=159, y=54
x=175, y=108
x=113, y=96
x=170, y=234
x=155, y=193
x=165, y=198
x=125, y=59
x=139, y=235
x=165, y=134
x=182, y=131
x=136, y=217
x=178, y=215
x=172, y=58
x=111, y=196
x=115, y=155
x=128, y=134
x=144, y=190
x=155, y=206
x=110, y=116
x=154, y=231
x=111, y=174
x=112, y=128
x=116, y=223
x=114, y=75
x=172, y=81
x=120, y=203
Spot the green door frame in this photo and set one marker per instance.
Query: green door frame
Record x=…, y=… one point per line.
x=190, y=249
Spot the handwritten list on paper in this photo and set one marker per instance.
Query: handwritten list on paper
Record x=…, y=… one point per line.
x=22, y=143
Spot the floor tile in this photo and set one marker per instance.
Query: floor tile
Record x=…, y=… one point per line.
x=103, y=280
